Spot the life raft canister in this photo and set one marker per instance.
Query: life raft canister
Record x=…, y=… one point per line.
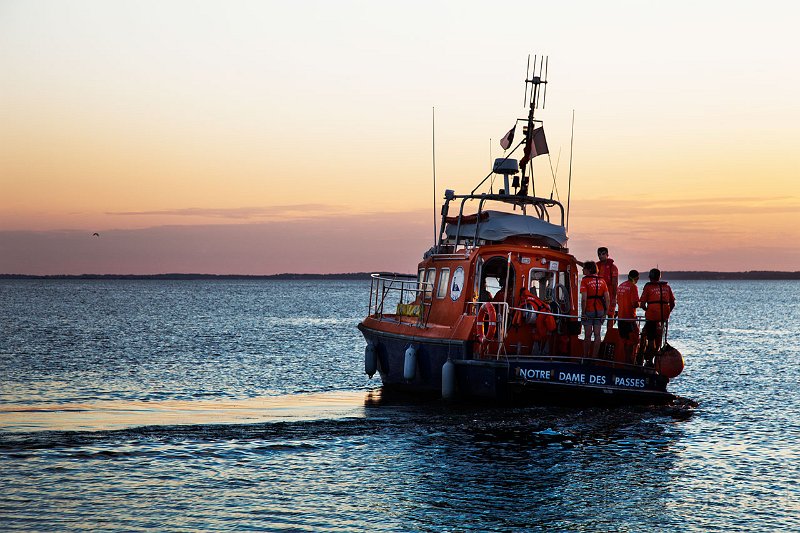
x=486, y=323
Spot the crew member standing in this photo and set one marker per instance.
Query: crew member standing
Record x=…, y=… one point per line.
x=607, y=270
x=595, y=303
x=628, y=301
x=658, y=302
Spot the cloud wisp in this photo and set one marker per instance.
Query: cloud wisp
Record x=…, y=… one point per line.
x=332, y=241
x=644, y=208
x=241, y=213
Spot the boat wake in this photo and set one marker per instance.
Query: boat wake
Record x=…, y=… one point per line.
x=116, y=415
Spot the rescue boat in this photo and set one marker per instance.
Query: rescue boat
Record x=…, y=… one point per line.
x=493, y=310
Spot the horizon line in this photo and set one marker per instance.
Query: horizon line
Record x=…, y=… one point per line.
x=672, y=274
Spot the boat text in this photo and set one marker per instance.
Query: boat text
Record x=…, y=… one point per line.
x=580, y=378
x=574, y=377
x=534, y=373
x=629, y=382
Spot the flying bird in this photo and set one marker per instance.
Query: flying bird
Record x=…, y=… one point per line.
x=95, y=234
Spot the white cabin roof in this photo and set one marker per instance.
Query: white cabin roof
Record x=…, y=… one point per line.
x=498, y=226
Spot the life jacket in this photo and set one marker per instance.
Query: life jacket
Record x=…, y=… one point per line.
x=544, y=324
x=594, y=283
x=656, y=294
x=627, y=299
x=609, y=272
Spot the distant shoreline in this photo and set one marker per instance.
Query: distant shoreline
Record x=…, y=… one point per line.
x=667, y=275
x=709, y=275
x=178, y=276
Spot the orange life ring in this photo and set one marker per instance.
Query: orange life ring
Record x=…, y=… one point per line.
x=486, y=323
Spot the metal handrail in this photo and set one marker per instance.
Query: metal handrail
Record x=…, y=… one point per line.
x=505, y=310
x=540, y=204
x=561, y=315
x=382, y=285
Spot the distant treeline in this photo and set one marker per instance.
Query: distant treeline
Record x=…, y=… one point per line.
x=667, y=275
x=704, y=274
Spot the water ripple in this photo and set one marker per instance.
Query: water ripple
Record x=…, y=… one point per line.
x=241, y=405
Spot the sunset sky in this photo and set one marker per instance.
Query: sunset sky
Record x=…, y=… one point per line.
x=267, y=137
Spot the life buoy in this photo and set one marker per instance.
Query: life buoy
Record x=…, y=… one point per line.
x=669, y=362
x=486, y=323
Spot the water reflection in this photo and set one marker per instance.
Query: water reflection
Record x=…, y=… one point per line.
x=335, y=460
x=527, y=465
x=172, y=406
x=118, y=414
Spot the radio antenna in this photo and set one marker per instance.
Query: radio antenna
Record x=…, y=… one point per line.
x=569, y=189
x=544, y=80
x=536, y=77
x=433, y=142
x=527, y=69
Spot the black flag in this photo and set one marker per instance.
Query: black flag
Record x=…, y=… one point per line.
x=506, y=141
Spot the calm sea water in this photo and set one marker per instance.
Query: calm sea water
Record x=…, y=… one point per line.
x=210, y=405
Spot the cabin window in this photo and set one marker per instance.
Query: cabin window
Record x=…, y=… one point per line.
x=420, y=279
x=478, y=285
x=494, y=274
x=541, y=283
x=430, y=277
x=444, y=280
x=562, y=293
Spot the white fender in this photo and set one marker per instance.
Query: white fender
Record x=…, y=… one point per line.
x=370, y=360
x=448, y=380
x=410, y=363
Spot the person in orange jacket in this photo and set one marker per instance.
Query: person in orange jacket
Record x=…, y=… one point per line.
x=607, y=270
x=628, y=300
x=658, y=301
x=595, y=303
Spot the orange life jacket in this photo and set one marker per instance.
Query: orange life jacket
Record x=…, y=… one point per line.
x=594, y=283
x=658, y=297
x=545, y=324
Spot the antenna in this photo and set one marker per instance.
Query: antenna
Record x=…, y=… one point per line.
x=527, y=68
x=536, y=76
x=433, y=142
x=491, y=168
x=544, y=95
x=533, y=76
x=538, y=91
x=569, y=189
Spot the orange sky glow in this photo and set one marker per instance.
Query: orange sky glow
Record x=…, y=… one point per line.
x=268, y=137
